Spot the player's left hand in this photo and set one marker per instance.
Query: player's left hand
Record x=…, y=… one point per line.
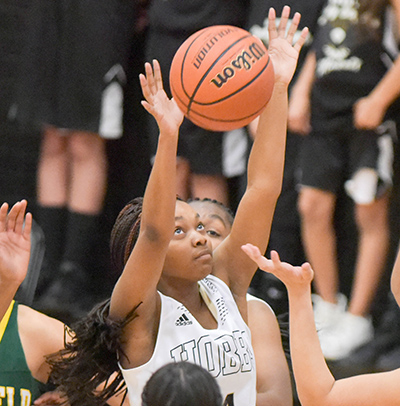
x=295, y=278
x=284, y=54
x=51, y=398
x=15, y=242
x=166, y=112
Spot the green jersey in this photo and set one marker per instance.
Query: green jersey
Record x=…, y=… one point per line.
x=17, y=385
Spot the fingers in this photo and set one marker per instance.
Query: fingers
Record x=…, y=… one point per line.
x=145, y=88
x=252, y=251
x=275, y=257
x=293, y=27
x=19, y=220
x=302, y=39
x=28, y=226
x=150, y=78
x=15, y=220
x=283, y=22
x=12, y=217
x=150, y=83
x=272, y=31
x=3, y=217
x=157, y=75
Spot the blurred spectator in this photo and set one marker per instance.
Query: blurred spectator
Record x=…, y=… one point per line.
x=348, y=86
x=285, y=232
x=71, y=88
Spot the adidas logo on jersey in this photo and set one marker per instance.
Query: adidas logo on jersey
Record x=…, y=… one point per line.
x=183, y=321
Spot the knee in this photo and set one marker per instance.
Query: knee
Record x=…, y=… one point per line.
x=53, y=144
x=86, y=146
x=373, y=216
x=315, y=207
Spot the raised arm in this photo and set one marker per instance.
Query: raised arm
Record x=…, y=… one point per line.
x=370, y=110
x=265, y=167
x=315, y=384
x=15, y=246
x=139, y=279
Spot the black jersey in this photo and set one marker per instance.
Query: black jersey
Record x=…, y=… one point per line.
x=351, y=60
x=188, y=16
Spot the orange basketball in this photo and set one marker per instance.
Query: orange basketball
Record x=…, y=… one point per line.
x=221, y=77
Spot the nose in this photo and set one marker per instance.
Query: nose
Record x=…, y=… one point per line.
x=199, y=238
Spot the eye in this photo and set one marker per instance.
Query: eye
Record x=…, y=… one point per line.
x=213, y=233
x=178, y=231
x=200, y=227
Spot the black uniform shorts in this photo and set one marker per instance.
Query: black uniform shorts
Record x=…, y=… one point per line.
x=329, y=160
x=73, y=65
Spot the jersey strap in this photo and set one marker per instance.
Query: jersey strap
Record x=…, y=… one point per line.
x=4, y=321
x=208, y=302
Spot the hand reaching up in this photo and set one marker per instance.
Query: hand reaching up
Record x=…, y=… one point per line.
x=283, y=53
x=15, y=242
x=294, y=277
x=166, y=112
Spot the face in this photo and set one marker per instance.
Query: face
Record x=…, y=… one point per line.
x=189, y=255
x=214, y=219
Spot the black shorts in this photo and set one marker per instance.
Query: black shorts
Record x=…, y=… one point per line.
x=328, y=160
x=74, y=58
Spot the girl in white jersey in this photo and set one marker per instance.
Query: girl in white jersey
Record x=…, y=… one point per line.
x=187, y=303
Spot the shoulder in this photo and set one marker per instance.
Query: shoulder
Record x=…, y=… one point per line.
x=257, y=303
x=259, y=311
x=40, y=336
x=31, y=321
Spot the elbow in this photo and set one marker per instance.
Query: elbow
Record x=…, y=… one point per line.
x=313, y=399
x=268, y=190
x=155, y=235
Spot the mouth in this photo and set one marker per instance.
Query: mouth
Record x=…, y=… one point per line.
x=204, y=254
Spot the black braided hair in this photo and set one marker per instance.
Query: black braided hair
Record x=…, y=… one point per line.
x=229, y=213
x=124, y=234
x=90, y=358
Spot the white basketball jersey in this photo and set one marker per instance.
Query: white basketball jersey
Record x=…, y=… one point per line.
x=225, y=352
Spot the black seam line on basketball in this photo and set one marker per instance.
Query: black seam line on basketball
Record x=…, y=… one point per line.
x=176, y=97
x=219, y=120
x=237, y=91
x=183, y=61
x=210, y=68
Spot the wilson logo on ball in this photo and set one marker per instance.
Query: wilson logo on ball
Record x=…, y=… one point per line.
x=243, y=61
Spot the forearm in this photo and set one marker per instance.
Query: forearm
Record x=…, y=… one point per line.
x=313, y=378
x=388, y=89
x=266, y=161
x=160, y=197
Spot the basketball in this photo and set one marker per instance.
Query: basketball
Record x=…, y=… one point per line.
x=221, y=77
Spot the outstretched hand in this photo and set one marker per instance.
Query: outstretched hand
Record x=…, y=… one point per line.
x=166, y=112
x=294, y=277
x=284, y=54
x=15, y=242
x=51, y=398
